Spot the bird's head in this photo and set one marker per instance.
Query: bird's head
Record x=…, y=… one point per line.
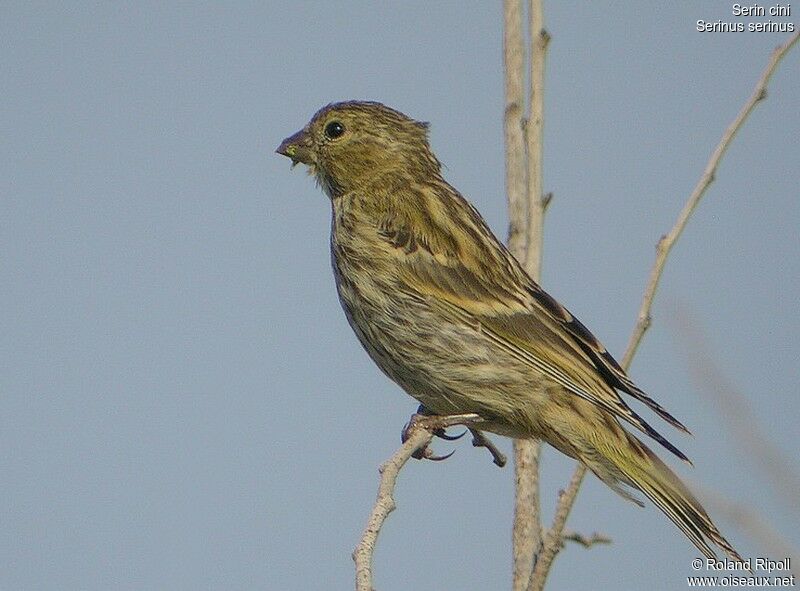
x=351, y=144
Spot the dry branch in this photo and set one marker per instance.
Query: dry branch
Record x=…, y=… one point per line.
x=526, y=206
x=667, y=241
x=583, y=540
x=384, y=504
x=418, y=434
x=516, y=180
x=552, y=539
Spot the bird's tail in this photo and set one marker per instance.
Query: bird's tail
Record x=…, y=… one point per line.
x=635, y=465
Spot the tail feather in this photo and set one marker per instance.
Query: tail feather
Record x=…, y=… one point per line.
x=638, y=467
x=669, y=494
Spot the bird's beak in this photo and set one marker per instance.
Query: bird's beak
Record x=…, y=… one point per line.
x=297, y=147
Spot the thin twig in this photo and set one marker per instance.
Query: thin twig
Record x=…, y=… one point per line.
x=418, y=436
x=583, y=540
x=551, y=543
x=552, y=539
x=667, y=241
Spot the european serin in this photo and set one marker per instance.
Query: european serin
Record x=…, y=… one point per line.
x=446, y=312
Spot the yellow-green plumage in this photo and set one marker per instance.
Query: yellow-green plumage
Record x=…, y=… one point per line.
x=445, y=311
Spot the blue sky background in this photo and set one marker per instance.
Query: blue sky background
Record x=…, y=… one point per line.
x=182, y=403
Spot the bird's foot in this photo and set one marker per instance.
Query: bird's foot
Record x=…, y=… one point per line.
x=438, y=424
x=480, y=440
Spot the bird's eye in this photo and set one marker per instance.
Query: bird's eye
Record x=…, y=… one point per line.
x=334, y=129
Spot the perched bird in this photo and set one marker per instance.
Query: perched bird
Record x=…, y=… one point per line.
x=449, y=314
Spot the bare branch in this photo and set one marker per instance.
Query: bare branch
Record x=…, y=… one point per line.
x=536, y=201
x=516, y=180
x=526, y=534
x=384, y=504
x=585, y=541
x=552, y=539
x=526, y=217
x=551, y=543
x=418, y=435
x=667, y=241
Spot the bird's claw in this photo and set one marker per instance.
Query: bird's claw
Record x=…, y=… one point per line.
x=433, y=458
x=442, y=434
x=425, y=453
x=437, y=426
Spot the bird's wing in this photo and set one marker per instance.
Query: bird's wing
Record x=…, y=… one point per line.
x=603, y=361
x=488, y=289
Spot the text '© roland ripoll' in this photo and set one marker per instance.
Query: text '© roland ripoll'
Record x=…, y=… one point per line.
x=755, y=10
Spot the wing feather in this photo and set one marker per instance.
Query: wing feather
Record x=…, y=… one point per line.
x=488, y=288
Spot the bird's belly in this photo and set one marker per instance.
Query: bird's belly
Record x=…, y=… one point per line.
x=450, y=367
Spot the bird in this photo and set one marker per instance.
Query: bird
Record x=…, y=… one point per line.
x=446, y=312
